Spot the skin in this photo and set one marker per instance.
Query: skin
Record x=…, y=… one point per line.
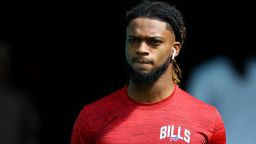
x=148, y=45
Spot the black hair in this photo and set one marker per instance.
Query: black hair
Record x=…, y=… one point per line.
x=162, y=11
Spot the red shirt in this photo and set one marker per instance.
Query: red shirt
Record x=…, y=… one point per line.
x=179, y=119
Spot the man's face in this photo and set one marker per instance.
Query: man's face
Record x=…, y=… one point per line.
x=148, y=48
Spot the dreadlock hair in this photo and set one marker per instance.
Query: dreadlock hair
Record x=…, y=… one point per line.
x=164, y=12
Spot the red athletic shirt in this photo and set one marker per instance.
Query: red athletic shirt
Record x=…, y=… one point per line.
x=179, y=119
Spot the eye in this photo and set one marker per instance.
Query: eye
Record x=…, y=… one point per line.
x=154, y=42
x=132, y=40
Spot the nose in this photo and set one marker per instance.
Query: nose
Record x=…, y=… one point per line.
x=143, y=49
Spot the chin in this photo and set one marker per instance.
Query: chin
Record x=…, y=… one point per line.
x=142, y=71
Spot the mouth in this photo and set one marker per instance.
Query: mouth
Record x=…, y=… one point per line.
x=142, y=61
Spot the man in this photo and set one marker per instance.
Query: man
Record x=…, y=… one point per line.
x=151, y=108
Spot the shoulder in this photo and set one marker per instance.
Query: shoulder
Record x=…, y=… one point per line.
x=103, y=106
x=108, y=101
x=203, y=114
x=95, y=115
x=193, y=103
x=205, y=118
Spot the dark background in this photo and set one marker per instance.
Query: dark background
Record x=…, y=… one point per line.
x=68, y=54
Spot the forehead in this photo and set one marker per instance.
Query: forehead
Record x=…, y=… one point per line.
x=147, y=26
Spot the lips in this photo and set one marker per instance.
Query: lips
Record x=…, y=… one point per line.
x=141, y=61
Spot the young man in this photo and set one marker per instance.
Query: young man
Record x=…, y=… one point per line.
x=151, y=108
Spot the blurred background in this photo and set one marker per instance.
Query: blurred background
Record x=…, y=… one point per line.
x=55, y=57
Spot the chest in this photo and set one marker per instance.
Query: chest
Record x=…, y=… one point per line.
x=152, y=128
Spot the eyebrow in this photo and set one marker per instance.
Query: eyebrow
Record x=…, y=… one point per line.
x=148, y=37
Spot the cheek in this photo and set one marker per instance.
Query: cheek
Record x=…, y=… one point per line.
x=128, y=54
x=161, y=57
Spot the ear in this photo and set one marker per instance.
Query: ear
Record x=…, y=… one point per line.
x=176, y=49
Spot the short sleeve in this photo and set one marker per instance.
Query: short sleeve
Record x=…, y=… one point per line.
x=81, y=133
x=219, y=132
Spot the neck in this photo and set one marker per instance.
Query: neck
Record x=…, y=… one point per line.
x=152, y=92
